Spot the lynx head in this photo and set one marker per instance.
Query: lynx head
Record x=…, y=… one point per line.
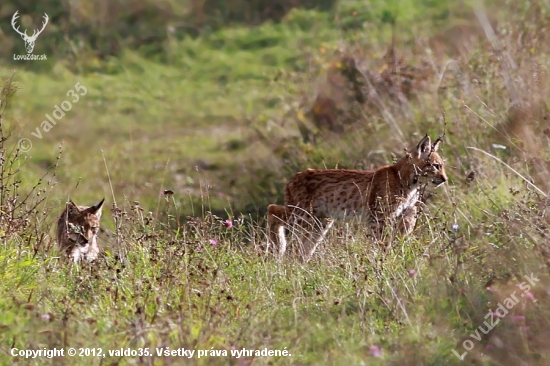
x=80, y=223
x=429, y=166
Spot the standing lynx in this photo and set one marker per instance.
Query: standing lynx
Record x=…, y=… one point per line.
x=386, y=195
x=77, y=229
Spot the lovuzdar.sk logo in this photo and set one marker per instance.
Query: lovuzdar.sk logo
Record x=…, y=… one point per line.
x=29, y=40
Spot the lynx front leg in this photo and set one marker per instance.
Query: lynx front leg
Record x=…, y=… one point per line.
x=407, y=221
x=310, y=245
x=310, y=240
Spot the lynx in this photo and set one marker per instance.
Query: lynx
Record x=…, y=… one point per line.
x=388, y=195
x=77, y=230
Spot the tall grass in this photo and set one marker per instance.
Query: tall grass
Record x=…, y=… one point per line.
x=182, y=263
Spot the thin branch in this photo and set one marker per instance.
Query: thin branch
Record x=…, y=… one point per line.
x=509, y=167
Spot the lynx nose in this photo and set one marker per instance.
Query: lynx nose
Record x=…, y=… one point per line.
x=439, y=180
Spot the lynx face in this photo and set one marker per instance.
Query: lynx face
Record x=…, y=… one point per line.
x=77, y=230
x=431, y=164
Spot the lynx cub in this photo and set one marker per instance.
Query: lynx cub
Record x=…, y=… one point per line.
x=77, y=230
x=386, y=195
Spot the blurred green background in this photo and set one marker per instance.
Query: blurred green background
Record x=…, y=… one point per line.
x=209, y=99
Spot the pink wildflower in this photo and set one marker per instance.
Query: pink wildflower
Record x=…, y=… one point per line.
x=518, y=318
x=375, y=351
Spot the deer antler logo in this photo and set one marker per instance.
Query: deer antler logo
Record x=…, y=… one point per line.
x=29, y=41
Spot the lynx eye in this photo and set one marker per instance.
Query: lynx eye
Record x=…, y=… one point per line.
x=436, y=166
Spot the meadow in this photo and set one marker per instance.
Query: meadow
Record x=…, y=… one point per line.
x=193, y=116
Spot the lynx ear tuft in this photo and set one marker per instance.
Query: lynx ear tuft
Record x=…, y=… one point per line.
x=72, y=208
x=436, y=144
x=96, y=209
x=424, y=147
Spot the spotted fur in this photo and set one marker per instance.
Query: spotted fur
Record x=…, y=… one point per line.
x=389, y=194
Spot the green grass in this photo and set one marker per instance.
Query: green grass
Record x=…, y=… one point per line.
x=221, y=118
x=182, y=106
